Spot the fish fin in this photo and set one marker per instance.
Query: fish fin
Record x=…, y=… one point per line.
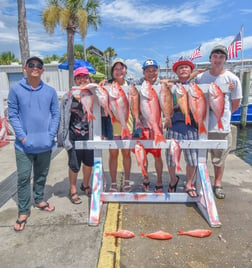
x=187, y=119
x=91, y=117
x=202, y=129
x=125, y=132
x=159, y=138
x=220, y=125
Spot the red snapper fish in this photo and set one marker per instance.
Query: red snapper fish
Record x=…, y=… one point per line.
x=87, y=100
x=141, y=157
x=175, y=152
x=217, y=102
x=121, y=234
x=134, y=103
x=103, y=98
x=182, y=99
x=159, y=235
x=150, y=109
x=197, y=103
x=119, y=105
x=166, y=104
x=196, y=233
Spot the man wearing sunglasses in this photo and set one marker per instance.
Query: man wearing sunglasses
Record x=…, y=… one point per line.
x=34, y=114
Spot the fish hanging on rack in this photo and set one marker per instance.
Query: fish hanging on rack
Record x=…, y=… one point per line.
x=87, y=101
x=141, y=157
x=175, y=152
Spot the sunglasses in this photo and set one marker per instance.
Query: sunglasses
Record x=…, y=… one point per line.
x=32, y=65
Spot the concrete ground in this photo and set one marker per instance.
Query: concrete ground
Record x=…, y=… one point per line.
x=64, y=239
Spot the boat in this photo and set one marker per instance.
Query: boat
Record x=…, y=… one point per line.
x=236, y=116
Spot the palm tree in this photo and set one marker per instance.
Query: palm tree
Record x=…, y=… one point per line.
x=22, y=31
x=7, y=58
x=72, y=17
x=109, y=53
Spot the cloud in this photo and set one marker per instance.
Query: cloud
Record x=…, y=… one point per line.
x=137, y=14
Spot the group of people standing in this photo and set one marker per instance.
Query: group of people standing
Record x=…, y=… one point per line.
x=36, y=118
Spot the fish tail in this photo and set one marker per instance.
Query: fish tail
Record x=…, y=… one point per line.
x=178, y=167
x=180, y=232
x=220, y=125
x=125, y=132
x=107, y=234
x=202, y=128
x=142, y=234
x=144, y=172
x=91, y=117
x=188, y=119
x=159, y=138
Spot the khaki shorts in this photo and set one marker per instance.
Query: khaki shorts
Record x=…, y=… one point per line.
x=218, y=156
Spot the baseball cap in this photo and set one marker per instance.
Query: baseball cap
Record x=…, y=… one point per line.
x=118, y=60
x=220, y=48
x=148, y=63
x=182, y=61
x=81, y=70
x=34, y=58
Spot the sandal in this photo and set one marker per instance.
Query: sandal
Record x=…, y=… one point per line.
x=75, y=200
x=190, y=191
x=113, y=187
x=19, y=223
x=146, y=186
x=173, y=188
x=47, y=207
x=127, y=187
x=219, y=192
x=158, y=189
x=86, y=190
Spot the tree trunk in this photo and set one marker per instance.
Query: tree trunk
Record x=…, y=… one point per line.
x=22, y=32
x=70, y=55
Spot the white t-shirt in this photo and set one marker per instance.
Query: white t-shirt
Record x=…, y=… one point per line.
x=236, y=93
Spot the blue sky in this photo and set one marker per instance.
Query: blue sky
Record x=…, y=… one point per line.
x=140, y=29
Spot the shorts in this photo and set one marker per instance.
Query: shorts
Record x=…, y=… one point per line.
x=76, y=157
x=107, y=131
x=148, y=134
x=218, y=156
x=190, y=155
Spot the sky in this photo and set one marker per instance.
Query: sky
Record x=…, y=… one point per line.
x=140, y=29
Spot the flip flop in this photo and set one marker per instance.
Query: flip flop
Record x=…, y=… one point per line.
x=173, y=188
x=158, y=189
x=190, y=191
x=20, y=223
x=46, y=207
x=145, y=186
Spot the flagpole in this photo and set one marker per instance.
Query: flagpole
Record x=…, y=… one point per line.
x=242, y=33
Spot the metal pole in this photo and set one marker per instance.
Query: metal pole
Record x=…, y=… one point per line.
x=245, y=93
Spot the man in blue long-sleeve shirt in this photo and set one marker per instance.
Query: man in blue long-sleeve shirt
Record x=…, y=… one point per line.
x=33, y=111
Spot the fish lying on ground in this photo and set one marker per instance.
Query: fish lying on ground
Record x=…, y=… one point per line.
x=182, y=99
x=121, y=234
x=119, y=105
x=217, y=102
x=196, y=233
x=141, y=157
x=87, y=100
x=197, y=103
x=166, y=104
x=150, y=109
x=134, y=103
x=175, y=152
x=159, y=235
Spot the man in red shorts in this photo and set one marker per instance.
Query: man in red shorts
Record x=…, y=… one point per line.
x=150, y=72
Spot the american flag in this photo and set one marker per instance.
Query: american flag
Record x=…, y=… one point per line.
x=235, y=46
x=196, y=54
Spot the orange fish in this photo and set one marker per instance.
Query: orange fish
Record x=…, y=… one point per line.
x=197, y=103
x=141, y=157
x=159, y=235
x=134, y=103
x=182, y=99
x=175, y=151
x=103, y=98
x=166, y=104
x=121, y=234
x=119, y=106
x=217, y=102
x=150, y=109
x=87, y=100
x=196, y=233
